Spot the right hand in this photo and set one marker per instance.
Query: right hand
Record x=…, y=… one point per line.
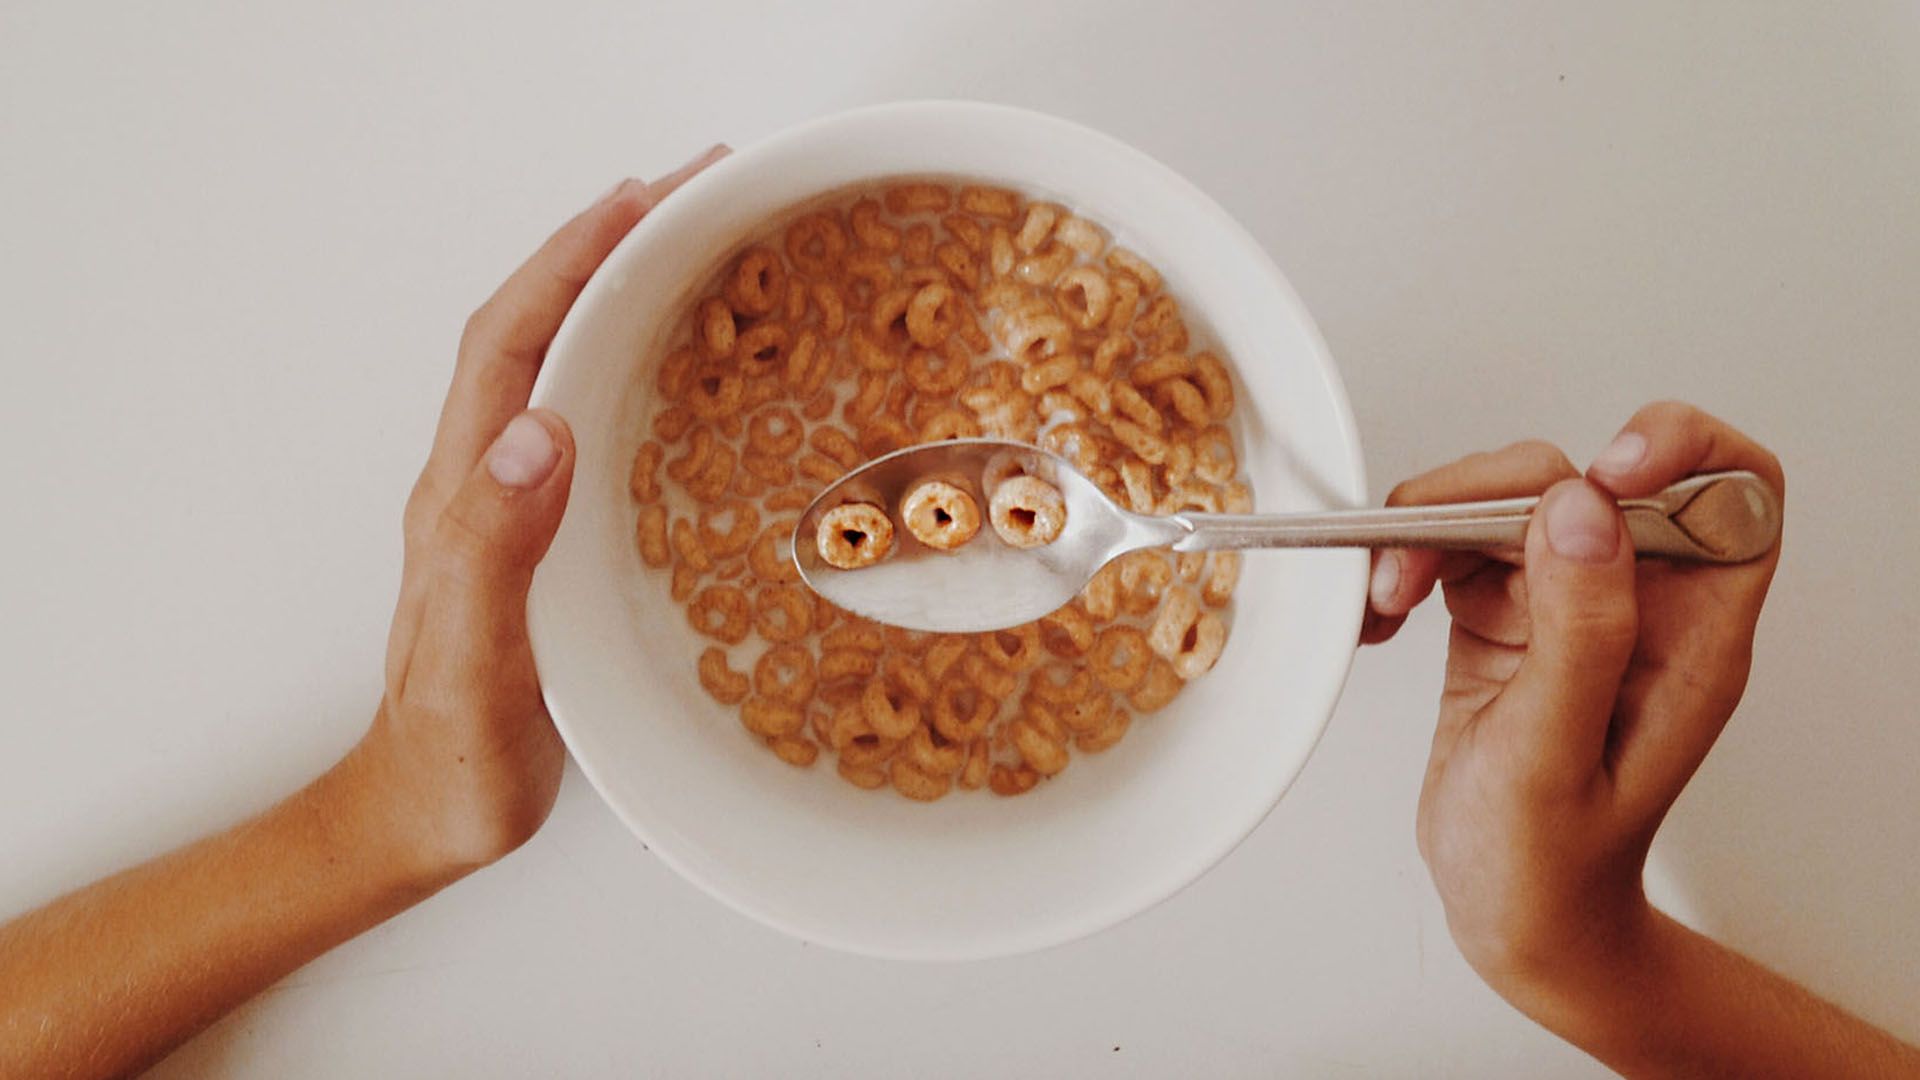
x=1583, y=689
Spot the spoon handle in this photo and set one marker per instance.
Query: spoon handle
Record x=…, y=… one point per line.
x=1716, y=517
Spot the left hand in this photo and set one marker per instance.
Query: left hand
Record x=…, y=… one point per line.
x=462, y=746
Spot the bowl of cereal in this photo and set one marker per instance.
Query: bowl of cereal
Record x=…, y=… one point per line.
x=878, y=279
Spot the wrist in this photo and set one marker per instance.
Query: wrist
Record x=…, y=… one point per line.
x=391, y=828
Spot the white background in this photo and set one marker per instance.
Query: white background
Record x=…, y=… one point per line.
x=237, y=244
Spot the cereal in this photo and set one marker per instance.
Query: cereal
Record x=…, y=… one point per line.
x=940, y=514
x=854, y=535
x=727, y=686
x=1027, y=511
x=915, y=313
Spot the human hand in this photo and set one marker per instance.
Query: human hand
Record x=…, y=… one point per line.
x=1583, y=689
x=462, y=750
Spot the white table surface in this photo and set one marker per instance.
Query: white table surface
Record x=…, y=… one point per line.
x=237, y=244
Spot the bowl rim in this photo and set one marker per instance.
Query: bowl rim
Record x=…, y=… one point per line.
x=1182, y=875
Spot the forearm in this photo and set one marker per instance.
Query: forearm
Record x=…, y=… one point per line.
x=108, y=979
x=1681, y=1004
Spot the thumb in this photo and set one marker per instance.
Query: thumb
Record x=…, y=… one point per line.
x=499, y=523
x=1580, y=602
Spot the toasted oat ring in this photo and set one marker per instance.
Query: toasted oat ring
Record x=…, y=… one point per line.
x=685, y=538
x=1067, y=632
x=795, y=750
x=676, y=370
x=650, y=534
x=1031, y=340
x=855, y=740
x=1161, y=686
x=838, y=664
x=759, y=282
x=990, y=202
x=715, y=391
x=1047, y=687
x=713, y=478
x=1050, y=373
x=816, y=244
x=1223, y=573
x=1027, y=512
x=859, y=635
x=1144, y=577
x=1119, y=658
x=853, y=535
x=762, y=350
x=643, y=482
x=784, y=674
x=864, y=218
x=1085, y=297
x=1216, y=385
x=991, y=678
x=891, y=715
x=728, y=687
x=782, y=613
x=771, y=719
x=776, y=432
x=1088, y=714
x=869, y=777
x=883, y=436
x=946, y=651
x=940, y=514
x=1043, y=754
x=931, y=752
x=1169, y=634
x=937, y=374
x=1213, y=457
x=974, y=773
x=770, y=558
x=1201, y=648
x=1184, y=400
x=1016, y=648
x=1116, y=728
x=917, y=198
x=1009, y=780
x=716, y=328
x=700, y=446
x=746, y=526
x=1171, y=365
x=932, y=315
x=962, y=711
x=670, y=423
x=836, y=444
x=721, y=612
x=916, y=783
x=949, y=424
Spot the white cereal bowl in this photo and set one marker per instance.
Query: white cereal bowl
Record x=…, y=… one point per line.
x=973, y=875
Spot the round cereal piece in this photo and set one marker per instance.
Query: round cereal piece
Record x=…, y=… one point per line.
x=838, y=664
x=715, y=476
x=1101, y=597
x=1037, y=227
x=937, y=372
x=1050, y=373
x=820, y=468
x=837, y=445
x=1214, y=460
x=990, y=202
x=685, y=580
x=788, y=500
x=1088, y=714
x=728, y=687
x=962, y=711
x=784, y=673
x=770, y=558
x=715, y=391
x=769, y=719
x=1168, y=636
x=1118, y=721
x=1060, y=685
x=959, y=261
x=1009, y=780
x=932, y=315
x=1201, y=646
x=867, y=400
x=1017, y=648
x=996, y=681
x=775, y=432
x=1129, y=403
x=796, y=750
x=676, y=372
x=856, y=741
x=759, y=282
x=862, y=776
x=974, y=773
x=940, y=514
x=1136, y=477
x=945, y=651
x=1160, y=687
x=1144, y=577
x=716, y=328
x=890, y=712
x=772, y=471
x=1085, y=297
x=853, y=535
x=1126, y=262
x=671, y=423
x=1215, y=383
x=932, y=753
x=869, y=229
x=883, y=436
x=1044, y=267
x=919, y=197
x=1223, y=573
x=650, y=535
x=721, y=612
x=732, y=538
x=816, y=243
x=1067, y=632
x=1183, y=399
x=1027, y=512
x=782, y=613
x=1171, y=365
x=761, y=352
x=860, y=635
x=700, y=450
x=915, y=784
x=1119, y=658
x=1160, y=327
x=1032, y=339
x=1042, y=754
x=1081, y=235
x=643, y=480
x=685, y=538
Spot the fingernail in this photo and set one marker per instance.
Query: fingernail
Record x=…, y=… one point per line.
x=1622, y=454
x=1580, y=524
x=524, y=454
x=1386, y=579
x=614, y=191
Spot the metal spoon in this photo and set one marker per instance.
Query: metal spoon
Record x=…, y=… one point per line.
x=988, y=585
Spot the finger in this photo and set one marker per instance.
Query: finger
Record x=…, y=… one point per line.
x=1555, y=712
x=1491, y=604
x=1402, y=578
x=1670, y=440
x=506, y=339
x=497, y=526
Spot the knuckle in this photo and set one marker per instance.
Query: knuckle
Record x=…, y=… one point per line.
x=1541, y=458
